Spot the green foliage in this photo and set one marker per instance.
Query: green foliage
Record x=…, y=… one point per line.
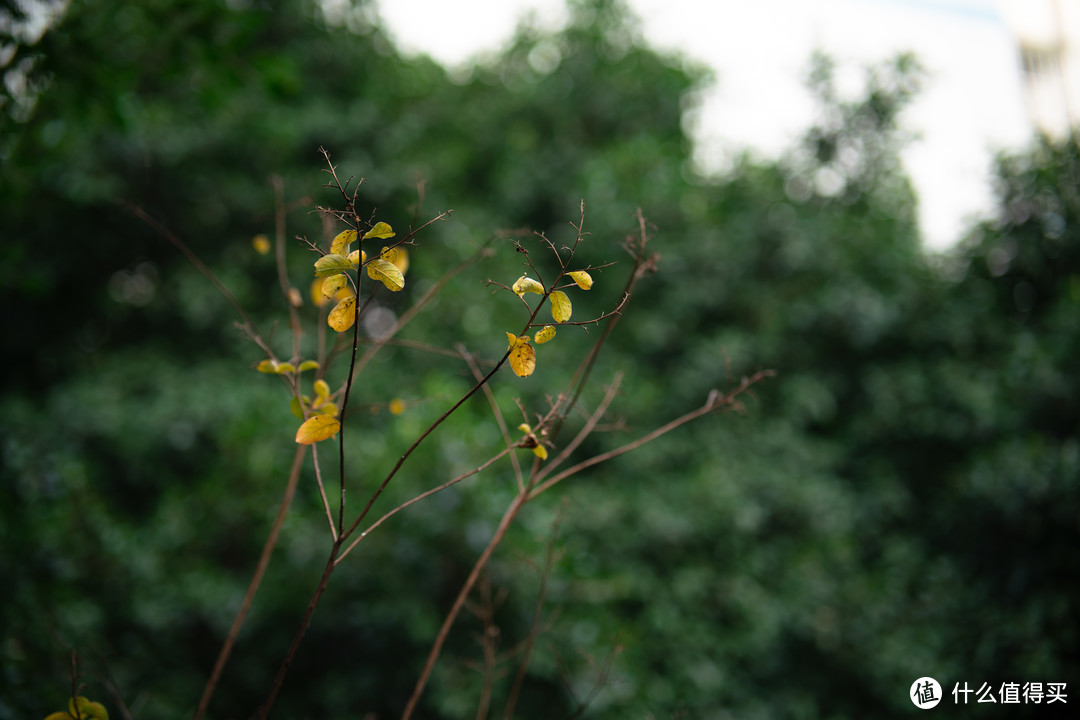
x=899, y=501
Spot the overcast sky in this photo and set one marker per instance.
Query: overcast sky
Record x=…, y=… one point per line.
x=971, y=105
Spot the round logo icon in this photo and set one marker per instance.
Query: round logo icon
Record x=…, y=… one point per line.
x=925, y=693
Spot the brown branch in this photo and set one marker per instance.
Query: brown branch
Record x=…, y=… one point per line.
x=716, y=402
x=256, y=580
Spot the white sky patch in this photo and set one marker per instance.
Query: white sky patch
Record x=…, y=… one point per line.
x=971, y=105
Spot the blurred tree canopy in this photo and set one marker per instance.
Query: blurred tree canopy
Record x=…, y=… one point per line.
x=900, y=501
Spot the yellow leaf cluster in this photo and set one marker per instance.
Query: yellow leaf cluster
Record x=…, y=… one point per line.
x=531, y=442
x=82, y=709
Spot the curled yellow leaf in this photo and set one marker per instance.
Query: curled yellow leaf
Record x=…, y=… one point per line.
x=316, y=428
x=582, y=278
x=356, y=257
x=511, y=340
x=544, y=334
x=561, y=309
x=526, y=284
x=322, y=388
x=343, y=315
x=386, y=273
x=381, y=231
x=333, y=284
x=540, y=451
x=523, y=357
x=309, y=365
x=342, y=242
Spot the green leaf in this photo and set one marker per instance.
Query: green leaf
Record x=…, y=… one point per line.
x=331, y=264
x=380, y=231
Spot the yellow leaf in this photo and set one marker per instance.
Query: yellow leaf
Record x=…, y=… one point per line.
x=386, y=273
x=316, y=428
x=285, y=368
x=402, y=260
x=309, y=365
x=526, y=284
x=560, y=306
x=343, y=315
x=397, y=406
x=523, y=357
x=322, y=389
x=330, y=409
x=58, y=716
x=544, y=334
x=342, y=242
x=86, y=709
x=356, y=257
x=512, y=339
x=380, y=231
x=267, y=366
x=540, y=451
x=329, y=265
x=316, y=292
x=332, y=284
x=582, y=278
x=261, y=243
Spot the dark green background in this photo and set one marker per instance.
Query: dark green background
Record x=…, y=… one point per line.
x=902, y=500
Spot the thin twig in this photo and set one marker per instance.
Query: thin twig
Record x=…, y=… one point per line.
x=717, y=402
x=256, y=580
x=427, y=493
x=495, y=411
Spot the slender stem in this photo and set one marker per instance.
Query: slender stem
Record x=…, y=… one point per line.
x=418, y=498
x=322, y=491
x=256, y=580
x=715, y=403
x=279, y=680
x=416, y=443
x=535, y=629
x=459, y=602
